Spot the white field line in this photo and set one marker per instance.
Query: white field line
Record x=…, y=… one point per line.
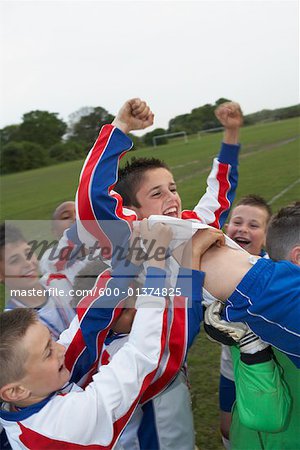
x=242, y=156
x=284, y=191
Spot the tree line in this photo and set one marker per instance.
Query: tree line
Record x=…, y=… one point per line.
x=42, y=138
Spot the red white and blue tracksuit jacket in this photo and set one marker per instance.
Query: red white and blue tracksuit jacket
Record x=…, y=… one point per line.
x=94, y=418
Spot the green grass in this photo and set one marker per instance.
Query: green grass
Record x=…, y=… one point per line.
x=269, y=165
x=34, y=194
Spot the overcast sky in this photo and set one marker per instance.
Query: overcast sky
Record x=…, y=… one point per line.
x=62, y=55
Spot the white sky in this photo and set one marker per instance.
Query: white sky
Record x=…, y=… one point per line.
x=62, y=55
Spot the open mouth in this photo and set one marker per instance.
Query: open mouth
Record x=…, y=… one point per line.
x=31, y=274
x=171, y=212
x=242, y=241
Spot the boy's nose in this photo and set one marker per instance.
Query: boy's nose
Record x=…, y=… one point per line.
x=170, y=196
x=243, y=228
x=61, y=350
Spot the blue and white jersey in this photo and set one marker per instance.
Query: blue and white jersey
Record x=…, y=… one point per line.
x=268, y=301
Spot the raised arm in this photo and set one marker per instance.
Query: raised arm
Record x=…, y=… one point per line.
x=213, y=207
x=96, y=203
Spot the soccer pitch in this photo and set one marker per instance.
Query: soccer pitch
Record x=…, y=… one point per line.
x=269, y=166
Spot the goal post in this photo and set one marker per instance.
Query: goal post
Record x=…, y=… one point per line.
x=177, y=134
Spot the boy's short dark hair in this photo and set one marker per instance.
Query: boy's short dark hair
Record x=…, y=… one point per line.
x=131, y=175
x=8, y=235
x=258, y=201
x=283, y=232
x=13, y=326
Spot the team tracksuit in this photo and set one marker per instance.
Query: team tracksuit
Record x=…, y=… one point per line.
x=167, y=420
x=94, y=418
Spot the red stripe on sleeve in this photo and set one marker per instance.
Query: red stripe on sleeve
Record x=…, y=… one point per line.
x=222, y=178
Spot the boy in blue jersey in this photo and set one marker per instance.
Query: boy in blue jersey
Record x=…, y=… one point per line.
x=260, y=292
x=247, y=227
x=283, y=243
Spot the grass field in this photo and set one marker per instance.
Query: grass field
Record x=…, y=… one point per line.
x=269, y=166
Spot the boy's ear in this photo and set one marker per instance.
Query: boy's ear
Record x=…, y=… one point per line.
x=294, y=256
x=135, y=209
x=14, y=392
x=225, y=227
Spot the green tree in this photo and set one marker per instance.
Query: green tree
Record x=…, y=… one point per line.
x=66, y=151
x=148, y=137
x=9, y=133
x=179, y=123
x=222, y=100
x=87, y=128
x=42, y=127
x=201, y=118
x=19, y=156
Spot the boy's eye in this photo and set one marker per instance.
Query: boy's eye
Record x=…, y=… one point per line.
x=14, y=260
x=173, y=190
x=155, y=194
x=65, y=217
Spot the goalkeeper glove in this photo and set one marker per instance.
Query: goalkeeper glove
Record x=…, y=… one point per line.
x=227, y=333
x=253, y=350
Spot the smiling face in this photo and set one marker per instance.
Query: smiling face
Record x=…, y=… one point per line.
x=158, y=195
x=18, y=268
x=44, y=367
x=247, y=227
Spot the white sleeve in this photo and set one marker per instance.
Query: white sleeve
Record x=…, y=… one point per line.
x=67, y=335
x=99, y=414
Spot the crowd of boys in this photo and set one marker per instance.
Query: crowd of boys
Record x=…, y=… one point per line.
x=116, y=377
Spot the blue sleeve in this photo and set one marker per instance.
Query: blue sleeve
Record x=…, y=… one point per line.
x=99, y=214
x=267, y=299
x=229, y=155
